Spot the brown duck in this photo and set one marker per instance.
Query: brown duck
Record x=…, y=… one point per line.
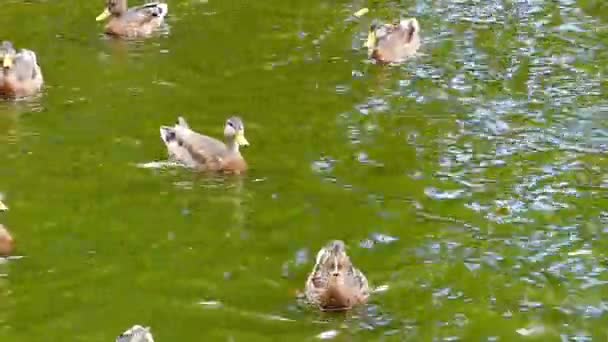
x=334, y=283
x=204, y=153
x=133, y=22
x=393, y=43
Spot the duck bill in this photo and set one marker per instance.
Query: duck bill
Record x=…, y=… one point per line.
x=371, y=41
x=241, y=140
x=7, y=62
x=104, y=15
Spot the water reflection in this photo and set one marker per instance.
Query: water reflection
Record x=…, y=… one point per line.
x=11, y=115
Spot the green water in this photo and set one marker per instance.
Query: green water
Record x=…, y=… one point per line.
x=470, y=184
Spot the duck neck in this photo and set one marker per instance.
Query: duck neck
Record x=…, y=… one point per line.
x=232, y=145
x=120, y=8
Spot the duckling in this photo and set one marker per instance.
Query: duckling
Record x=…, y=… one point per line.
x=393, y=43
x=133, y=22
x=204, y=153
x=137, y=333
x=21, y=75
x=6, y=242
x=334, y=283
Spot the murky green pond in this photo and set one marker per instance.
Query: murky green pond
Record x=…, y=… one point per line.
x=470, y=184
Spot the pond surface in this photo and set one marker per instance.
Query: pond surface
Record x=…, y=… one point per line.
x=469, y=184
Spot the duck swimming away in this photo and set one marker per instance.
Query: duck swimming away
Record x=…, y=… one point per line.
x=334, y=283
x=393, y=43
x=6, y=242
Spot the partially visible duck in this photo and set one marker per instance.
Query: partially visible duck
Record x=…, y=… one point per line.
x=6, y=242
x=137, y=333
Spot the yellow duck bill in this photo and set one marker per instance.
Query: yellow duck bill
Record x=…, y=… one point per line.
x=7, y=62
x=241, y=140
x=370, y=44
x=104, y=15
x=371, y=39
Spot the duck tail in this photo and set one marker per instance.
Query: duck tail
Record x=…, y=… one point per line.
x=410, y=24
x=411, y=28
x=161, y=9
x=167, y=134
x=181, y=122
x=414, y=25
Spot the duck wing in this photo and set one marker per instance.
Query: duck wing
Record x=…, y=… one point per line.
x=192, y=148
x=145, y=13
x=26, y=66
x=358, y=282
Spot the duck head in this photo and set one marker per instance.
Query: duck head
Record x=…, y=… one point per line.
x=7, y=55
x=234, y=131
x=332, y=261
x=113, y=7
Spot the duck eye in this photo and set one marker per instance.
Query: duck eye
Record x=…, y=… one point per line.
x=229, y=123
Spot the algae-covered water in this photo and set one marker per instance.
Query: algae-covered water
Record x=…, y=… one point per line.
x=469, y=183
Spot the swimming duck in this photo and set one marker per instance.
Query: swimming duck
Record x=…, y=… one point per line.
x=137, y=333
x=334, y=283
x=6, y=242
x=21, y=75
x=393, y=43
x=132, y=22
x=204, y=153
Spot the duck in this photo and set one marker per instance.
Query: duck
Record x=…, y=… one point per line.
x=393, y=43
x=6, y=242
x=132, y=22
x=21, y=75
x=204, y=153
x=334, y=283
x=136, y=333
